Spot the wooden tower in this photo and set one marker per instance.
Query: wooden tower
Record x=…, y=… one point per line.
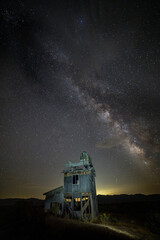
x=80, y=189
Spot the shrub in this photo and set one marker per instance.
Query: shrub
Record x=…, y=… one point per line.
x=113, y=220
x=153, y=222
x=104, y=218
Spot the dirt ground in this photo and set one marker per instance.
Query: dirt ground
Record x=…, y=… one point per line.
x=25, y=221
x=66, y=228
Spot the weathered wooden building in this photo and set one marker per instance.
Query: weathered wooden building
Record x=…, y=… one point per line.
x=77, y=198
x=55, y=201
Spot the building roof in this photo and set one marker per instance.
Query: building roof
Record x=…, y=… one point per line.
x=55, y=190
x=84, y=163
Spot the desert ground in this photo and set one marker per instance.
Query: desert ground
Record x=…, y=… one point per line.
x=25, y=220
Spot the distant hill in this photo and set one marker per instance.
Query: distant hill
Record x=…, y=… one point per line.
x=124, y=198
x=102, y=199
x=13, y=201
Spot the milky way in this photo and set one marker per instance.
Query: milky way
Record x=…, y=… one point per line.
x=79, y=75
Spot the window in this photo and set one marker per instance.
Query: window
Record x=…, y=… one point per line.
x=75, y=179
x=77, y=204
x=86, y=204
x=69, y=199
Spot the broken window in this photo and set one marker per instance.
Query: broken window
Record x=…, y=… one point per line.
x=84, y=198
x=77, y=204
x=68, y=199
x=68, y=204
x=86, y=206
x=75, y=179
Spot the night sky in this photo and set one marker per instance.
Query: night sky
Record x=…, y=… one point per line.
x=74, y=76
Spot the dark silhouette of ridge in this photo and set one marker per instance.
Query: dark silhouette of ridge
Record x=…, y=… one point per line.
x=13, y=201
x=125, y=198
x=102, y=199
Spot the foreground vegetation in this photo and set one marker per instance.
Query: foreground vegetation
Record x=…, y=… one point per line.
x=141, y=214
x=27, y=221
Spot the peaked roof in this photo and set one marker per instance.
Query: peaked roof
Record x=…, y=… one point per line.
x=58, y=189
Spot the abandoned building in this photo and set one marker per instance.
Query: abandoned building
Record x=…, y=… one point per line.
x=77, y=198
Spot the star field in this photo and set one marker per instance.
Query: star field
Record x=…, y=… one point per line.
x=74, y=76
